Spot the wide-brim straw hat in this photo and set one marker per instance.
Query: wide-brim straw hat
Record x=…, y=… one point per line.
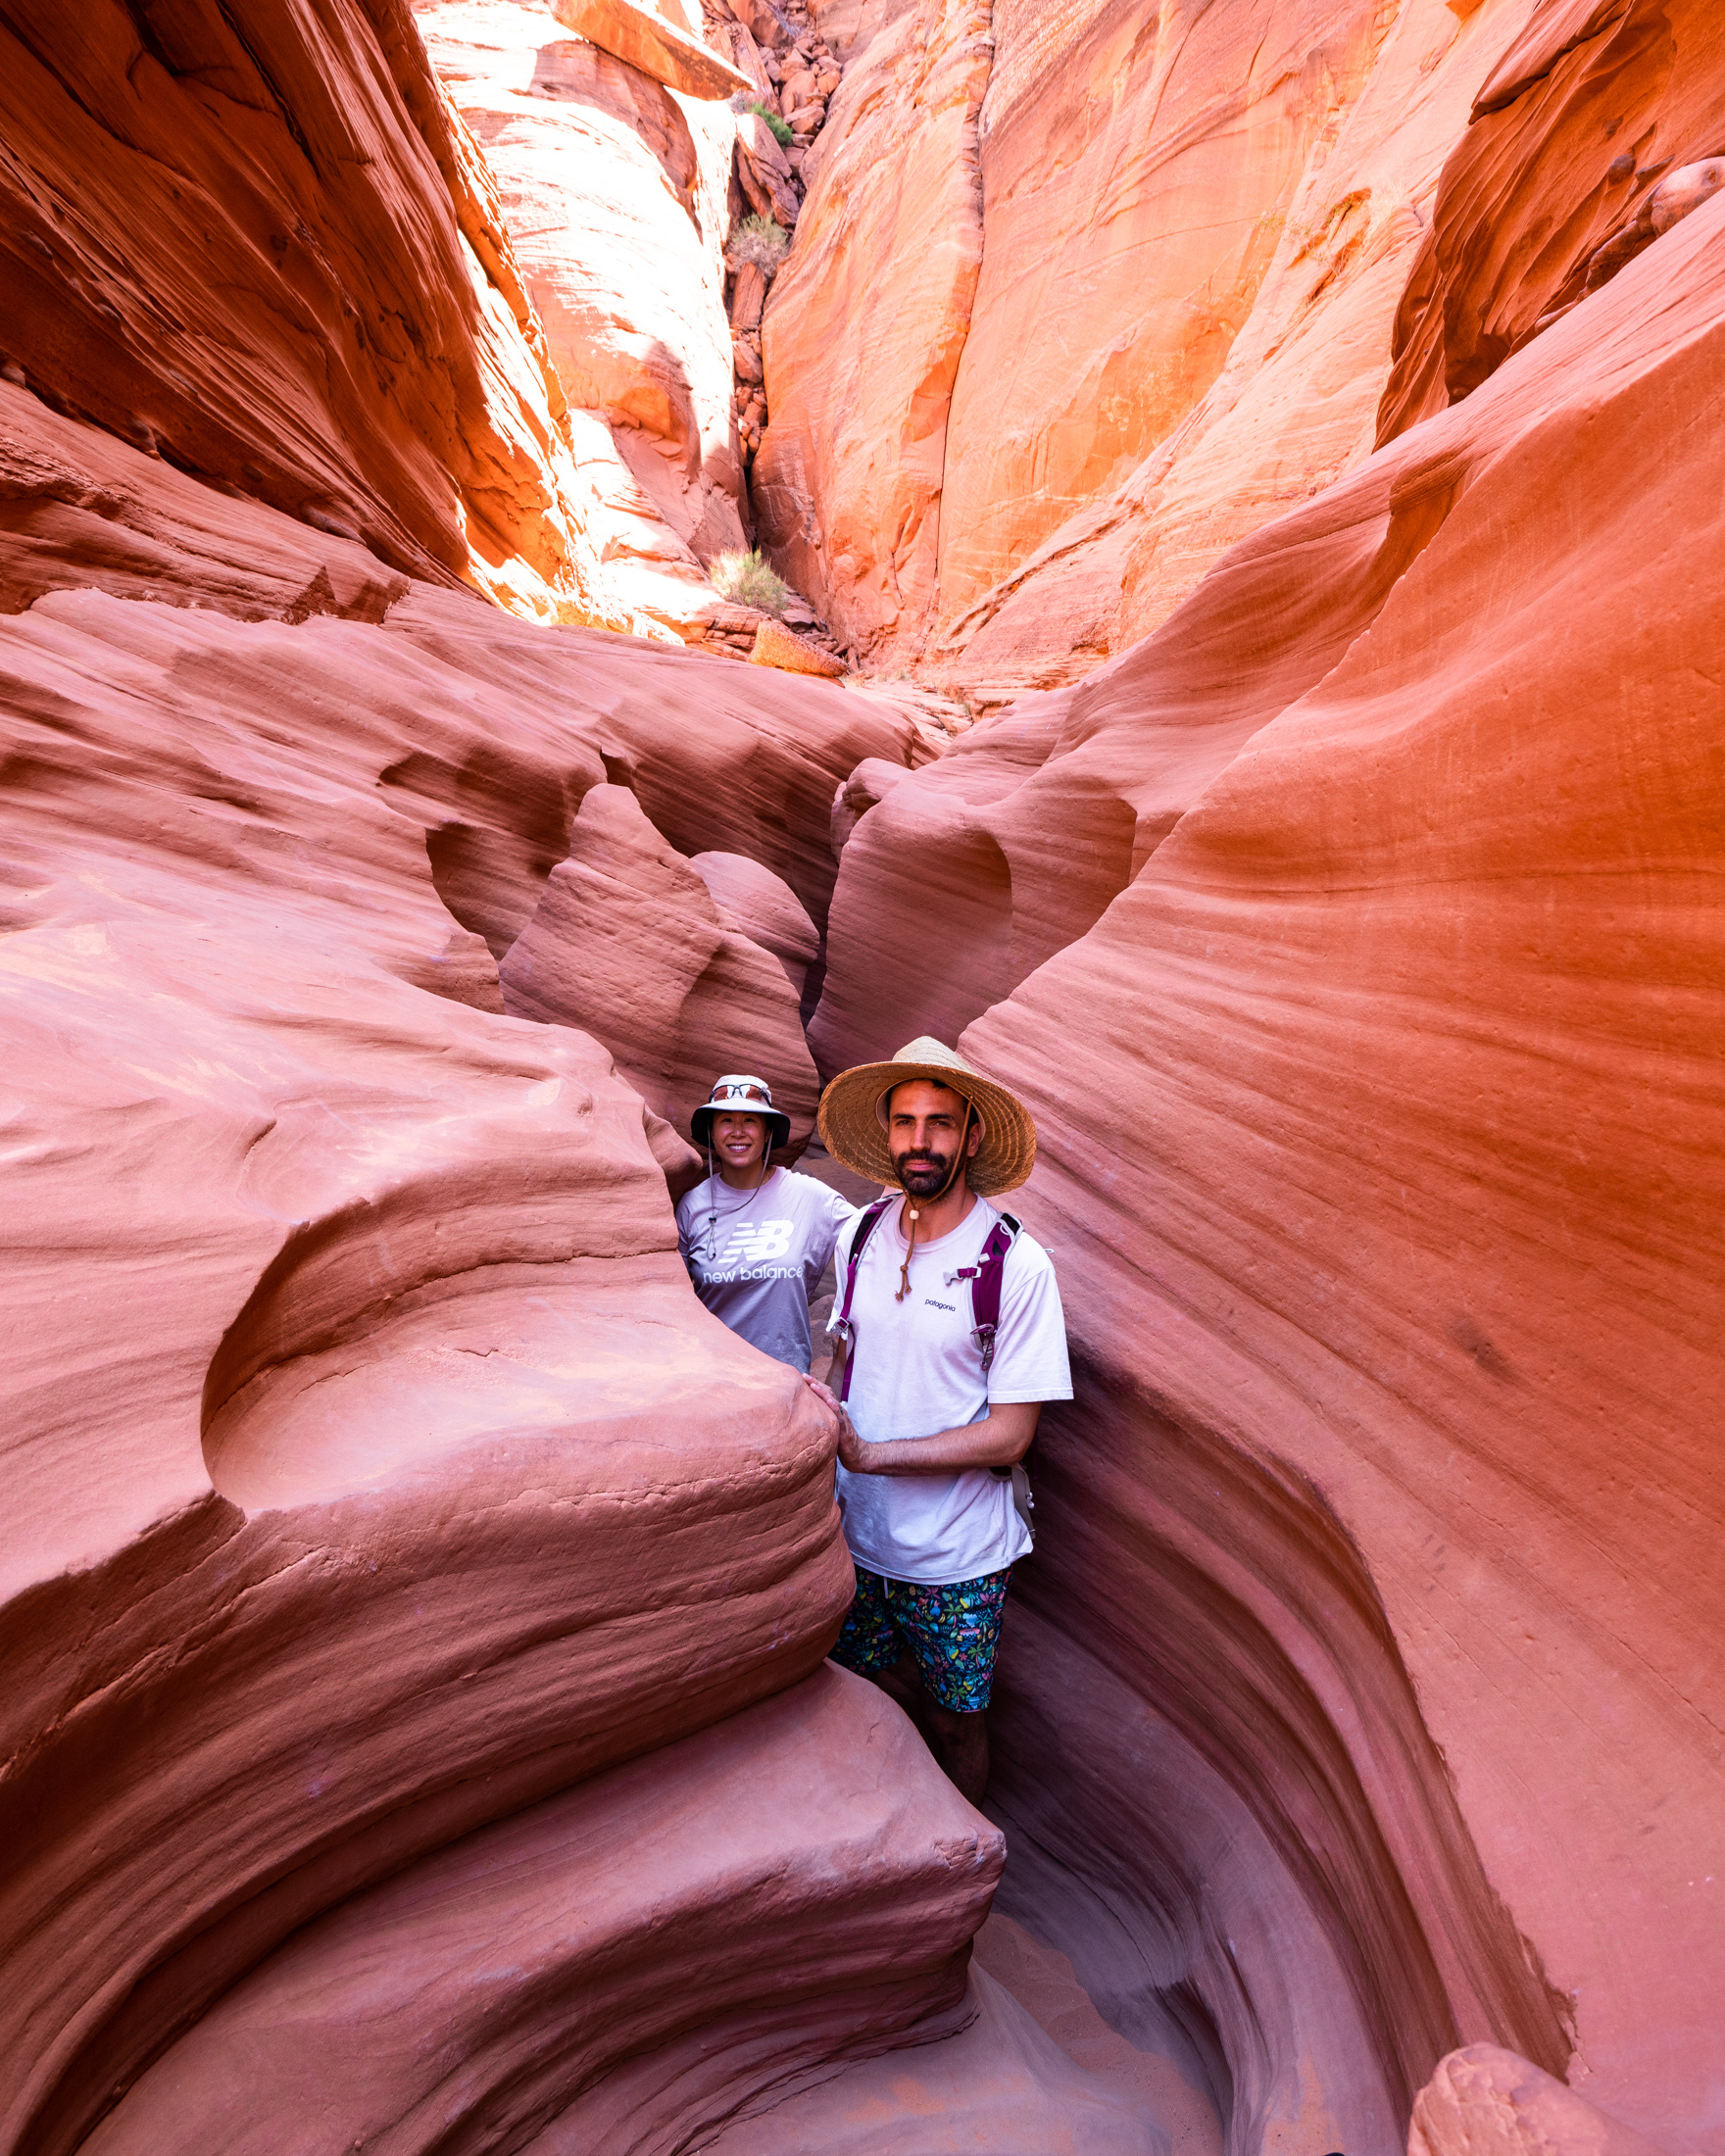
x=853, y=1116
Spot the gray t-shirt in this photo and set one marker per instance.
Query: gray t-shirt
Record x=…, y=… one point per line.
x=756, y=1256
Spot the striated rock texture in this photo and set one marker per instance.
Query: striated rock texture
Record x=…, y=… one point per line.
x=848, y=479
x=1190, y=231
x=615, y=193
x=371, y=1472
x=628, y=943
x=682, y=1938
x=1381, y=1156
x=1574, y=140
x=764, y=907
x=258, y=243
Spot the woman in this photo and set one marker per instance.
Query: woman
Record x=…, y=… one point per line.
x=755, y=1238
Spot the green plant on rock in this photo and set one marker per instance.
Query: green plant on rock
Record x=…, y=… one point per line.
x=780, y=125
x=759, y=240
x=749, y=580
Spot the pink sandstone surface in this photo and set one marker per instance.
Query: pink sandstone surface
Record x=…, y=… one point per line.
x=417, y=1733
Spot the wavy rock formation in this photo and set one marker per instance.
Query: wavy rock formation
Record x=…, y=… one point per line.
x=1380, y=1123
x=628, y=943
x=327, y=1538
x=1571, y=138
x=683, y=1939
x=414, y=1728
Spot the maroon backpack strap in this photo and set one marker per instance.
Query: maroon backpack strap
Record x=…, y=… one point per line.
x=985, y=1285
x=842, y=1328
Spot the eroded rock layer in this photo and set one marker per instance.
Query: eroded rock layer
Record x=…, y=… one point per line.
x=260, y=244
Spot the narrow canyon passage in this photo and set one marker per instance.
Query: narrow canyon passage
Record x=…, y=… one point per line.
x=1247, y=476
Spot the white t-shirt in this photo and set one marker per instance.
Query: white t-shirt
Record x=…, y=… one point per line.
x=756, y=1256
x=917, y=1370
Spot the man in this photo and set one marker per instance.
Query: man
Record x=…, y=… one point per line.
x=936, y=1395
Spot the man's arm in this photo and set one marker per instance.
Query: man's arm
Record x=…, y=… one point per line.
x=999, y=1440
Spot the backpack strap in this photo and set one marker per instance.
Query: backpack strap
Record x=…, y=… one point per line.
x=870, y=1218
x=985, y=1284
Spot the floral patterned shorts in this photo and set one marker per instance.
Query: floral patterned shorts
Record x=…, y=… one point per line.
x=952, y=1630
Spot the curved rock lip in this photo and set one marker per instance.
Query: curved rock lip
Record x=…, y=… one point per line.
x=648, y=42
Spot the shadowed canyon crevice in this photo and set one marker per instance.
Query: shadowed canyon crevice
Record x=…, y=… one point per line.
x=1291, y=430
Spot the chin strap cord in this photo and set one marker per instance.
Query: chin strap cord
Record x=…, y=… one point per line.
x=914, y=1216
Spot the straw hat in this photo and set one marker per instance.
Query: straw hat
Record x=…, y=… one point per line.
x=853, y=1116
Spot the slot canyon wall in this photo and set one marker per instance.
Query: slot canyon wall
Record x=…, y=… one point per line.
x=1299, y=422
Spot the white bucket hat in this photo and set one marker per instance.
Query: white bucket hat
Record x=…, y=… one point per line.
x=742, y=1095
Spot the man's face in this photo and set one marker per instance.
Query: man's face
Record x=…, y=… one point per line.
x=738, y=1139
x=923, y=1122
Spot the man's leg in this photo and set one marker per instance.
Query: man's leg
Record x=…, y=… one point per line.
x=960, y=1744
x=954, y=1632
x=871, y=1645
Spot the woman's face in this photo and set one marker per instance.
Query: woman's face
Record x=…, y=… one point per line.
x=739, y=1141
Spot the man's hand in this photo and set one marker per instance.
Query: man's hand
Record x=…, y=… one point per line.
x=853, y=1453
x=1001, y=1438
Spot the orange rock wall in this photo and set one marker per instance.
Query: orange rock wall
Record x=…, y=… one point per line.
x=1381, y=1158
x=615, y=193
x=1196, y=228
x=1568, y=136
x=314, y=302
x=861, y=359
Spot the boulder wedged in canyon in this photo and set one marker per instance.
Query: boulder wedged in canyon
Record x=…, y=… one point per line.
x=648, y=40
x=372, y=1471
x=614, y=192
x=1380, y=1155
x=259, y=243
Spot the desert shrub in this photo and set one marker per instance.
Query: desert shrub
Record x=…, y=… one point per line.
x=780, y=125
x=759, y=240
x=749, y=580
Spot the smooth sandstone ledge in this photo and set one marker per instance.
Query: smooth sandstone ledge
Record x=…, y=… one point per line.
x=661, y=1949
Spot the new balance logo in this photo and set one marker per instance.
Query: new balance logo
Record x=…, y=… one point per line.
x=754, y=1245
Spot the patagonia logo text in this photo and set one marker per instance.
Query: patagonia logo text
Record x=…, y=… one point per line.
x=929, y=1303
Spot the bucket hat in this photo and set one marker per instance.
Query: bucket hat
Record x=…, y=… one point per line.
x=741, y=1094
x=853, y=1116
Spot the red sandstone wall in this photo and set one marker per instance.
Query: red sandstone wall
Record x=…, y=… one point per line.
x=260, y=244
x=1381, y=1158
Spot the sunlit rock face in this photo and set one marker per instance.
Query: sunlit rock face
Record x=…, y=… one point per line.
x=259, y=243
x=1381, y=1159
x=615, y=190
x=1188, y=235
x=1598, y=131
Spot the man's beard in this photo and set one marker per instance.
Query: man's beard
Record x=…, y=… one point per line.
x=922, y=1173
